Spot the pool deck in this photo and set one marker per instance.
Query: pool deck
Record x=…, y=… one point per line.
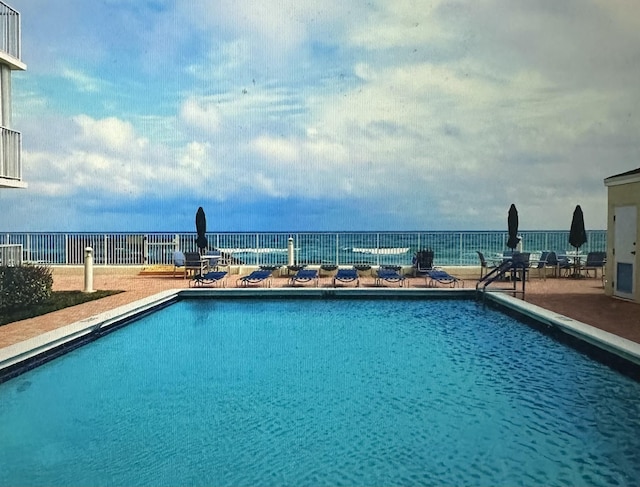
x=581, y=299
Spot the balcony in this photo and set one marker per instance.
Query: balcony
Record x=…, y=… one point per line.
x=10, y=60
x=10, y=38
x=10, y=159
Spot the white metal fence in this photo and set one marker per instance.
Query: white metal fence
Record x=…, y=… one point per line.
x=10, y=255
x=341, y=248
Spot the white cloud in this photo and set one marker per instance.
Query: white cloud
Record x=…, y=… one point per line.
x=109, y=134
x=276, y=149
x=449, y=111
x=201, y=114
x=83, y=82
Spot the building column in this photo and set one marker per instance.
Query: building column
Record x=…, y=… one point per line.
x=5, y=96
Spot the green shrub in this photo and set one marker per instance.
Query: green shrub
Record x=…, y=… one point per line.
x=24, y=286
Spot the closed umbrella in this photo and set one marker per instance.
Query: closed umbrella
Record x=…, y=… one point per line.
x=577, y=234
x=201, y=229
x=512, y=223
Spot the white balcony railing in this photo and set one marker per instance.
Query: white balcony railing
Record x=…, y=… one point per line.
x=10, y=31
x=10, y=154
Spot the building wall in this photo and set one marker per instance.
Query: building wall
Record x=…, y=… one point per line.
x=621, y=195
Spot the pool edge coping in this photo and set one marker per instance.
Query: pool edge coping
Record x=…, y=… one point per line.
x=29, y=349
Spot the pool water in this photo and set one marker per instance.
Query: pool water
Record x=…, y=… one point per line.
x=320, y=392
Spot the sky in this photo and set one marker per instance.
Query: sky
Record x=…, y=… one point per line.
x=322, y=115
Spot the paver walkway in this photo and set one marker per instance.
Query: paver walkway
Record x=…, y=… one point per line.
x=581, y=299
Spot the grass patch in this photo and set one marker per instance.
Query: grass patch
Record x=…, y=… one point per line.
x=58, y=300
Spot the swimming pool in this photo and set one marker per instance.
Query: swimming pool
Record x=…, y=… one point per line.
x=321, y=392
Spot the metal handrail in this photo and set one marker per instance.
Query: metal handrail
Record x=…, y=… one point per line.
x=508, y=266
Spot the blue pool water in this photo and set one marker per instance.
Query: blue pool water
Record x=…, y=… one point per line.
x=316, y=392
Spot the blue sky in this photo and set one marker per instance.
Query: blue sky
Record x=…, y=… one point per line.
x=322, y=115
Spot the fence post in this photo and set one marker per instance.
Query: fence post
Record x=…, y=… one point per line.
x=290, y=252
x=88, y=270
x=145, y=249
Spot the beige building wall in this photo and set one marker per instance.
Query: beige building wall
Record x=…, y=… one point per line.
x=621, y=194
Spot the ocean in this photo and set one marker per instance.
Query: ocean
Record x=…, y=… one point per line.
x=453, y=248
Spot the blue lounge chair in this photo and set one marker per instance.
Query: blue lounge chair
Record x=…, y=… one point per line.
x=438, y=276
x=390, y=275
x=256, y=277
x=209, y=279
x=422, y=262
x=346, y=276
x=304, y=276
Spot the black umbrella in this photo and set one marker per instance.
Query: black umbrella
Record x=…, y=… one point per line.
x=512, y=222
x=201, y=229
x=577, y=234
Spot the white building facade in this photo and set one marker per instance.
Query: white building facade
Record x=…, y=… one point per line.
x=10, y=60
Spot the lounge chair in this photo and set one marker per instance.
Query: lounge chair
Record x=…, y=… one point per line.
x=422, y=262
x=209, y=279
x=346, y=276
x=390, y=275
x=438, y=276
x=304, y=276
x=256, y=277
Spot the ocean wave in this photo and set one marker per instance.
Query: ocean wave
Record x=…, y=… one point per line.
x=381, y=250
x=252, y=250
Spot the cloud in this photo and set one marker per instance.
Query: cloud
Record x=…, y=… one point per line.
x=83, y=82
x=438, y=116
x=201, y=114
x=109, y=134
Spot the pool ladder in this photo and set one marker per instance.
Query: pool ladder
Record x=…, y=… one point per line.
x=511, y=270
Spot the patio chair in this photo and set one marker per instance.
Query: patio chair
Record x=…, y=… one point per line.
x=304, y=276
x=192, y=262
x=595, y=261
x=346, y=276
x=485, y=267
x=541, y=265
x=422, y=262
x=256, y=277
x=178, y=261
x=558, y=264
x=520, y=264
x=390, y=275
x=438, y=276
x=189, y=261
x=209, y=279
